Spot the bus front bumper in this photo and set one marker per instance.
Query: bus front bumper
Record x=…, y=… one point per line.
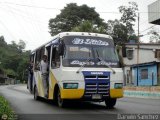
x=72, y=93
x=79, y=94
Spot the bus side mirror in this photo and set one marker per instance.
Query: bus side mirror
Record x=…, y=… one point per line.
x=61, y=49
x=124, y=51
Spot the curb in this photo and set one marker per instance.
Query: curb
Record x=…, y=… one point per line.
x=142, y=94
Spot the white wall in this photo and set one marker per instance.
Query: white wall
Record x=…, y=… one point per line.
x=146, y=54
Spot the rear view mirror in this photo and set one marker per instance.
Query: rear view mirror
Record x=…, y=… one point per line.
x=61, y=48
x=124, y=51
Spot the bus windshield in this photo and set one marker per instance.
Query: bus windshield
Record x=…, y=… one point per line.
x=80, y=48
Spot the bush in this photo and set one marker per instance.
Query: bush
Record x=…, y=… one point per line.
x=5, y=109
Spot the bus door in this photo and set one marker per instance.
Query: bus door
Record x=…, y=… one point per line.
x=37, y=71
x=54, y=66
x=48, y=53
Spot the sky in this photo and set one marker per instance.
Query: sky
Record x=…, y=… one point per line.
x=28, y=19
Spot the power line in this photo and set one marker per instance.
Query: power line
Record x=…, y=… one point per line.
x=7, y=29
x=26, y=31
x=32, y=6
x=23, y=16
x=148, y=28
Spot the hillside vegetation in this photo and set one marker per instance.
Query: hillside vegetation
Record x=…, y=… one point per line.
x=13, y=58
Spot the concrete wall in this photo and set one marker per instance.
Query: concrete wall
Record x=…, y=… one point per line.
x=146, y=54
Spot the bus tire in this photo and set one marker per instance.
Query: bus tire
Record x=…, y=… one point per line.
x=61, y=102
x=36, y=97
x=110, y=102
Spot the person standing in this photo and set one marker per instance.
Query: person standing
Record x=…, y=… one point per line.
x=30, y=68
x=44, y=70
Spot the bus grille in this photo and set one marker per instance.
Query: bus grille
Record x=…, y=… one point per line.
x=97, y=85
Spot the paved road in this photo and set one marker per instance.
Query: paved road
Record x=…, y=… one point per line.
x=24, y=104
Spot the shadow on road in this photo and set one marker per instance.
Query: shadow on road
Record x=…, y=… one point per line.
x=77, y=105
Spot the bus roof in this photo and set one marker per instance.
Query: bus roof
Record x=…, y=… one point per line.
x=62, y=34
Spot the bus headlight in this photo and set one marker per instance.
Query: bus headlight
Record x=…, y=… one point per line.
x=70, y=85
x=118, y=85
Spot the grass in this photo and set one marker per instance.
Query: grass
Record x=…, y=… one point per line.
x=6, y=110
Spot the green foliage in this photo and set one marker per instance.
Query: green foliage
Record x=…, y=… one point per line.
x=6, y=109
x=154, y=36
x=129, y=15
x=21, y=45
x=13, y=59
x=86, y=19
x=87, y=26
x=72, y=16
x=118, y=31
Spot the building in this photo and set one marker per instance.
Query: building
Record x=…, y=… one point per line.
x=138, y=56
x=2, y=77
x=146, y=74
x=154, y=13
x=6, y=79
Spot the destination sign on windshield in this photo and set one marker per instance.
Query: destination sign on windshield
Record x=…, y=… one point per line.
x=88, y=40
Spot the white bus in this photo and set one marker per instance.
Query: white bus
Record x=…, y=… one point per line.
x=81, y=66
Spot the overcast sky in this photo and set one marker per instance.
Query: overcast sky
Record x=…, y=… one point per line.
x=28, y=19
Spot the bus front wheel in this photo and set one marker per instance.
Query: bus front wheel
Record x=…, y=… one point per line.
x=61, y=102
x=110, y=102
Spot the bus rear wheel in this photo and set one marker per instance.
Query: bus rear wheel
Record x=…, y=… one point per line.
x=110, y=102
x=61, y=102
x=36, y=97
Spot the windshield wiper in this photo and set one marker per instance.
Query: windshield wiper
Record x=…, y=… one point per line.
x=82, y=66
x=105, y=63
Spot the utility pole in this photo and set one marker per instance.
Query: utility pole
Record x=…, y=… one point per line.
x=138, y=42
x=138, y=50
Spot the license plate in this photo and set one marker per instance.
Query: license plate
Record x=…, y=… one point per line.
x=96, y=96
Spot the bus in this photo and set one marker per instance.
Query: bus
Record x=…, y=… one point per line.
x=81, y=66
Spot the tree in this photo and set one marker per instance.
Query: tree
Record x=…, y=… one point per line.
x=154, y=36
x=2, y=41
x=129, y=15
x=72, y=16
x=21, y=45
x=87, y=26
x=13, y=62
x=118, y=31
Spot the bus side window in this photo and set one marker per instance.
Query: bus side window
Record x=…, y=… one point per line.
x=39, y=55
x=55, y=59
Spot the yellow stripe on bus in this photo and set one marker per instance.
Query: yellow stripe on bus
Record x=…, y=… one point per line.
x=53, y=82
x=72, y=93
x=116, y=93
x=40, y=86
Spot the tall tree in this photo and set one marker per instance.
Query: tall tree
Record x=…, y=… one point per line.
x=21, y=45
x=13, y=62
x=87, y=26
x=71, y=16
x=118, y=31
x=2, y=41
x=129, y=15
